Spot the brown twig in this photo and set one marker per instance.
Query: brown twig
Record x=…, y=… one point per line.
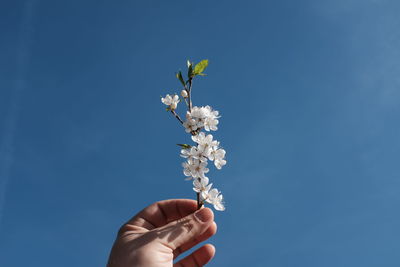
x=189, y=91
x=177, y=116
x=199, y=203
x=189, y=105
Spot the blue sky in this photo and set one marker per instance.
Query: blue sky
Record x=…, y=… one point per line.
x=310, y=102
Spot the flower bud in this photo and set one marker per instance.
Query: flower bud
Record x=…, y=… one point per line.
x=184, y=93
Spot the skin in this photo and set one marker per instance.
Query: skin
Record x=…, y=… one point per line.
x=161, y=232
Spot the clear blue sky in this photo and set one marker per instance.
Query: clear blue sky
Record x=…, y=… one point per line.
x=309, y=93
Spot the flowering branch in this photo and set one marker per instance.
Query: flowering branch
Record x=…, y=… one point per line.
x=198, y=119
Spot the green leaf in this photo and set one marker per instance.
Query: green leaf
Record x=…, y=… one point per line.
x=184, y=145
x=180, y=78
x=200, y=67
x=190, y=71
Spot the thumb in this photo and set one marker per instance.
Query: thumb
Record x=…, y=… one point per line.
x=181, y=231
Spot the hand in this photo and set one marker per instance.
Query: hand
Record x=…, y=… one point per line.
x=161, y=232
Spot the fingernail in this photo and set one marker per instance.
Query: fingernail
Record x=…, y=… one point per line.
x=204, y=214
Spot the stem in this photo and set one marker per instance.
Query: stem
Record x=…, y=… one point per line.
x=199, y=204
x=189, y=97
x=187, y=104
x=177, y=116
x=189, y=91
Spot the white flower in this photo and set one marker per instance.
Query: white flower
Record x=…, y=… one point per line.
x=201, y=138
x=210, y=149
x=199, y=112
x=201, y=184
x=205, y=143
x=194, y=153
x=201, y=117
x=215, y=198
x=195, y=168
x=211, y=122
x=190, y=124
x=218, y=156
x=198, y=117
x=185, y=153
x=171, y=101
x=219, y=163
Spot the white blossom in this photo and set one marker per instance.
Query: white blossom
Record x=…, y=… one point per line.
x=211, y=120
x=171, y=101
x=205, y=143
x=194, y=153
x=199, y=113
x=219, y=163
x=186, y=153
x=202, y=138
x=218, y=156
x=195, y=168
x=201, y=184
x=215, y=198
x=200, y=117
x=190, y=124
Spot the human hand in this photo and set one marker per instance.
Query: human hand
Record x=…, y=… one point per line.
x=161, y=232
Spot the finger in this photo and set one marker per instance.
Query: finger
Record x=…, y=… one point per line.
x=204, y=236
x=182, y=231
x=163, y=212
x=198, y=258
